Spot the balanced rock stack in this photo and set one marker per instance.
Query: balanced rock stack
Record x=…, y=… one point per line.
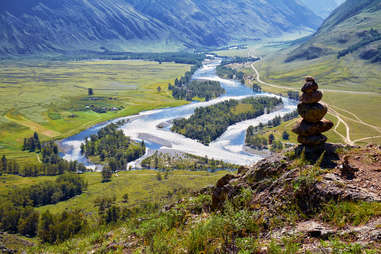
x=310, y=128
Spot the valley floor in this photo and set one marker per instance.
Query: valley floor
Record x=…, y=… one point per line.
x=51, y=97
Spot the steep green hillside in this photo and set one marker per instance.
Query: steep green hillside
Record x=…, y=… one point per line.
x=129, y=25
x=353, y=28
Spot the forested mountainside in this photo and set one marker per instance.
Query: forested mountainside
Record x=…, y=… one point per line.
x=353, y=28
x=30, y=26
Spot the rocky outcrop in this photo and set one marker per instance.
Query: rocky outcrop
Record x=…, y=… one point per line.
x=279, y=185
x=348, y=171
x=270, y=179
x=311, y=126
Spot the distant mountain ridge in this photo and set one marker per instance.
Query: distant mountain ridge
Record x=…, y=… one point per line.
x=322, y=8
x=353, y=28
x=32, y=26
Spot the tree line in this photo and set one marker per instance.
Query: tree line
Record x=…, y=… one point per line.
x=229, y=73
x=259, y=142
x=294, y=95
x=208, y=123
x=196, y=88
x=51, y=164
x=176, y=57
x=17, y=213
x=256, y=140
x=32, y=144
x=111, y=146
x=166, y=162
x=239, y=59
x=223, y=71
x=49, y=192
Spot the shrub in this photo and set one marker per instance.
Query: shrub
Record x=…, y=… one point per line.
x=203, y=236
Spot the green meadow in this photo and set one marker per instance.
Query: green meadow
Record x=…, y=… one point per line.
x=51, y=97
x=142, y=186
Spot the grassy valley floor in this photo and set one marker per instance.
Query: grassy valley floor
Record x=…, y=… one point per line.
x=51, y=97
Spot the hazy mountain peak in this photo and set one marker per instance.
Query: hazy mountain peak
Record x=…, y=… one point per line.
x=322, y=8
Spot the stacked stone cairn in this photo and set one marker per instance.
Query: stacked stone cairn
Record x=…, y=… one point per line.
x=312, y=124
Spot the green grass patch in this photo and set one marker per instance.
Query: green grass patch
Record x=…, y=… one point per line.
x=347, y=212
x=141, y=186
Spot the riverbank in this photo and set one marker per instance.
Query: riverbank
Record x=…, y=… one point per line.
x=229, y=147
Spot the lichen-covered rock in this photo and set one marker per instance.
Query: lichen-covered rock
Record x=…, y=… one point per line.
x=312, y=113
x=225, y=180
x=305, y=128
x=315, y=229
x=333, y=187
x=266, y=168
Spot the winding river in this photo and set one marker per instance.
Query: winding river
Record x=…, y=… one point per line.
x=153, y=126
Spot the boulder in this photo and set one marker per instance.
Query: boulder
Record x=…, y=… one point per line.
x=305, y=128
x=312, y=97
x=312, y=140
x=315, y=229
x=312, y=113
x=225, y=180
x=347, y=170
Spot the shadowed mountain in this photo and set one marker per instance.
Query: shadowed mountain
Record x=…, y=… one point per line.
x=31, y=26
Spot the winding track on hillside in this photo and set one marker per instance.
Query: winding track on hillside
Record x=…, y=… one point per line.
x=332, y=111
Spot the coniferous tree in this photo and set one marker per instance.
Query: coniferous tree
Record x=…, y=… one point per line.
x=37, y=141
x=112, y=214
x=106, y=174
x=271, y=139
x=285, y=135
x=45, y=228
x=125, y=198
x=28, y=224
x=24, y=147
x=4, y=164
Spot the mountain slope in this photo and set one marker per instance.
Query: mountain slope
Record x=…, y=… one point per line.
x=30, y=26
x=354, y=27
x=322, y=8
